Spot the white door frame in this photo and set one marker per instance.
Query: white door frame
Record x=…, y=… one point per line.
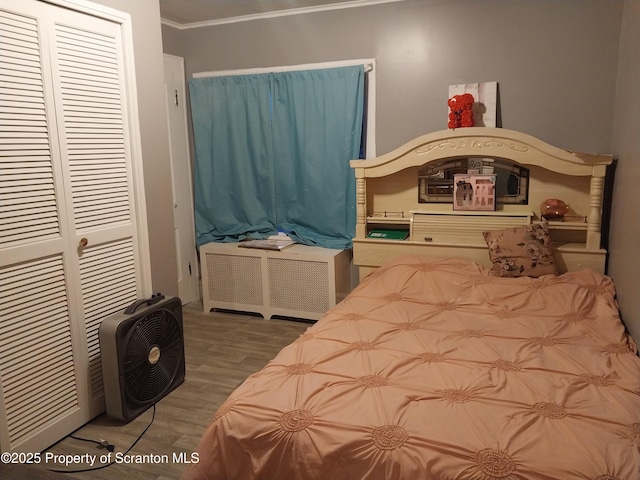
x=181, y=179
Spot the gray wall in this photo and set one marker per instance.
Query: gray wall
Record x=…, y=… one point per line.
x=624, y=258
x=147, y=43
x=555, y=61
x=557, y=64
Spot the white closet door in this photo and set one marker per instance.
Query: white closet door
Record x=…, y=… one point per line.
x=90, y=102
x=70, y=255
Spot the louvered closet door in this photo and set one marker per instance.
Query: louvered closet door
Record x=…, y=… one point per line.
x=69, y=251
x=90, y=101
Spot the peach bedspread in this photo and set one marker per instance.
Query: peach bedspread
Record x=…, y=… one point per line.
x=433, y=369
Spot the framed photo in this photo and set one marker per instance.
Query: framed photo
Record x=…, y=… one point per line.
x=474, y=192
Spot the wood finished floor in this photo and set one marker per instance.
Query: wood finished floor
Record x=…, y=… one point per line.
x=221, y=351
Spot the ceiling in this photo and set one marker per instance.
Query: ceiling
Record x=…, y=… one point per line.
x=192, y=13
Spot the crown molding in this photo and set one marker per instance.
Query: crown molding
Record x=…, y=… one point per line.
x=278, y=13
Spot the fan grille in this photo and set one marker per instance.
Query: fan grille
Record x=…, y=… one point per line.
x=152, y=356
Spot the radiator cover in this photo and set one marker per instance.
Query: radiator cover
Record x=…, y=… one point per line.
x=300, y=281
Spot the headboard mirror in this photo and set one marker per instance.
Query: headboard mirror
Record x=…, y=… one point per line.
x=435, y=181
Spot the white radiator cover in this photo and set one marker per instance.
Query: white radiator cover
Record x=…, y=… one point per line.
x=300, y=281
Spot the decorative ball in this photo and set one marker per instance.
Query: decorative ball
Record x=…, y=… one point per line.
x=553, y=208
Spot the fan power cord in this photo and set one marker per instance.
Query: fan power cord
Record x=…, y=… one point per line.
x=109, y=447
x=101, y=444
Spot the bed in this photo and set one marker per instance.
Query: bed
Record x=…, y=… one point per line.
x=442, y=366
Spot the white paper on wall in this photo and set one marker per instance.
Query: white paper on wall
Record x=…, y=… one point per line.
x=485, y=95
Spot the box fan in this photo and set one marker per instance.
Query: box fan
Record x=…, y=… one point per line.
x=142, y=351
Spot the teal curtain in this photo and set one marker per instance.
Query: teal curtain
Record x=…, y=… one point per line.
x=317, y=128
x=233, y=181
x=272, y=153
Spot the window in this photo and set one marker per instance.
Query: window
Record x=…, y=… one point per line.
x=273, y=151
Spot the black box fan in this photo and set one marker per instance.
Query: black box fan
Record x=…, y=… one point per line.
x=142, y=352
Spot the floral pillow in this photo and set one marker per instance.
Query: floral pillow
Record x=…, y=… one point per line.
x=521, y=251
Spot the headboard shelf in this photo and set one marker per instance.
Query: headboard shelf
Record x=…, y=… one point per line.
x=389, y=183
x=570, y=225
x=389, y=220
x=478, y=213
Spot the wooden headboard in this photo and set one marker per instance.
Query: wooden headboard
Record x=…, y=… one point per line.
x=387, y=197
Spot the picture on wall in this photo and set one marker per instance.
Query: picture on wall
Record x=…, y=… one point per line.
x=485, y=101
x=474, y=192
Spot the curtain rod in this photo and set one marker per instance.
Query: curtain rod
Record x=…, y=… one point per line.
x=368, y=64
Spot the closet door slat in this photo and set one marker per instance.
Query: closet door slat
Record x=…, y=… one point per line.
x=24, y=132
x=96, y=95
x=33, y=349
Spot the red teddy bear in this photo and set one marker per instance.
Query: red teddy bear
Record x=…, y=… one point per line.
x=461, y=114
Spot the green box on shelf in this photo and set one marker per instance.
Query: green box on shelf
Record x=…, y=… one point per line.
x=388, y=234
